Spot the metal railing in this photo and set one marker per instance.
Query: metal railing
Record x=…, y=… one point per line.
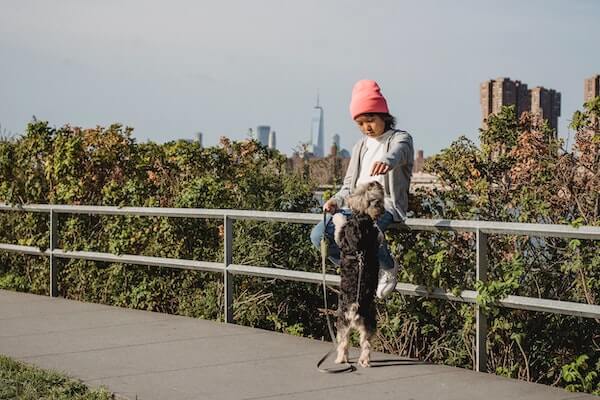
x=481, y=229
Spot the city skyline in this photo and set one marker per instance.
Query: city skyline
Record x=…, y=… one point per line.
x=184, y=67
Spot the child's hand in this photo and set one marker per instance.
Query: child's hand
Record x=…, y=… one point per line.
x=330, y=206
x=379, y=168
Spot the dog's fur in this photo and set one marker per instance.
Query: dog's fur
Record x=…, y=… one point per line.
x=358, y=234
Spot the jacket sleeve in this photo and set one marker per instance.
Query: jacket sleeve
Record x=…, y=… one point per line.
x=401, y=150
x=344, y=191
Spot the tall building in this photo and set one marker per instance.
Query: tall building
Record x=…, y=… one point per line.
x=500, y=92
x=335, y=145
x=199, y=138
x=546, y=104
x=272, y=140
x=336, y=140
x=317, y=137
x=333, y=150
x=419, y=161
x=591, y=88
x=494, y=94
x=262, y=134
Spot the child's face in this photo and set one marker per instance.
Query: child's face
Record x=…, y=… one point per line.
x=370, y=124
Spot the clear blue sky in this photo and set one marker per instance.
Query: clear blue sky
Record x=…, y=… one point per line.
x=172, y=68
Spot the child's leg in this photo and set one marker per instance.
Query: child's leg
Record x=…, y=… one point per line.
x=388, y=268
x=386, y=261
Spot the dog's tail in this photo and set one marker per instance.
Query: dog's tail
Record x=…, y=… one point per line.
x=339, y=220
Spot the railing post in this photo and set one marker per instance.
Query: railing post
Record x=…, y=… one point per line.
x=227, y=276
x=53, y=261
x=481, y=317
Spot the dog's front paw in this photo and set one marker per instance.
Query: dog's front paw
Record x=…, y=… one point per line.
x=364, y=362
x=339, y=220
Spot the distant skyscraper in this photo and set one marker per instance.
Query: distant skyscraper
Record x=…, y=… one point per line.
x=546, y=104
x=344, y=153
x=199, y=138
x=262, y=134
x=419, y=162
x=335, y=145
x=317, y=143
x=272, y=140
x=591, y=88
x=336, y=140
x=494, y=94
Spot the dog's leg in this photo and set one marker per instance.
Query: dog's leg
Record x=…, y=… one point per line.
x=343, y=336
x=339, y=220
x=365, y=345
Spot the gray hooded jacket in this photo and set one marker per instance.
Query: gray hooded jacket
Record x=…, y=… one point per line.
x=400, y=156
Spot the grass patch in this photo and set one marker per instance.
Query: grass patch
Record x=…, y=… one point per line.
x=24, y=382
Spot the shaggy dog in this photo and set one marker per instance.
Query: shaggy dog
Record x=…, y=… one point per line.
x=359, y=239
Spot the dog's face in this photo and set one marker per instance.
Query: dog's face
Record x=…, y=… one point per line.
x=368, y=199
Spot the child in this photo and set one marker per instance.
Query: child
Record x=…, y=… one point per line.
x=383, y=154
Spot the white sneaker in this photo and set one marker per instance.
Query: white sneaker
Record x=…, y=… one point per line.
x=387, y=281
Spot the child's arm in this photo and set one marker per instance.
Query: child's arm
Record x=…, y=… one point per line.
x=401, y=150
x=345, y=189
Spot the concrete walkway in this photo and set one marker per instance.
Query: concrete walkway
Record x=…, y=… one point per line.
x=146, y=355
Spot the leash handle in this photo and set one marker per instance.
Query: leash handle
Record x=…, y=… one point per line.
x=324, y=244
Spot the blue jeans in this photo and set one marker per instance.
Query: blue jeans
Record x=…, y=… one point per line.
x=385, y=258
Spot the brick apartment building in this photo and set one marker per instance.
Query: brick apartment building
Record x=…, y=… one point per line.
x=500, y=92
x=591, y=88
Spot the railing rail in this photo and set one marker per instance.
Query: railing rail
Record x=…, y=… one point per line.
x=481, y=229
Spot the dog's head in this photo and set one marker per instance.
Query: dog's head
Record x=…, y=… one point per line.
x=368, y=199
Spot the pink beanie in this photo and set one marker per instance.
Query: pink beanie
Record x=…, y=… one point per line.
x=367, y=98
